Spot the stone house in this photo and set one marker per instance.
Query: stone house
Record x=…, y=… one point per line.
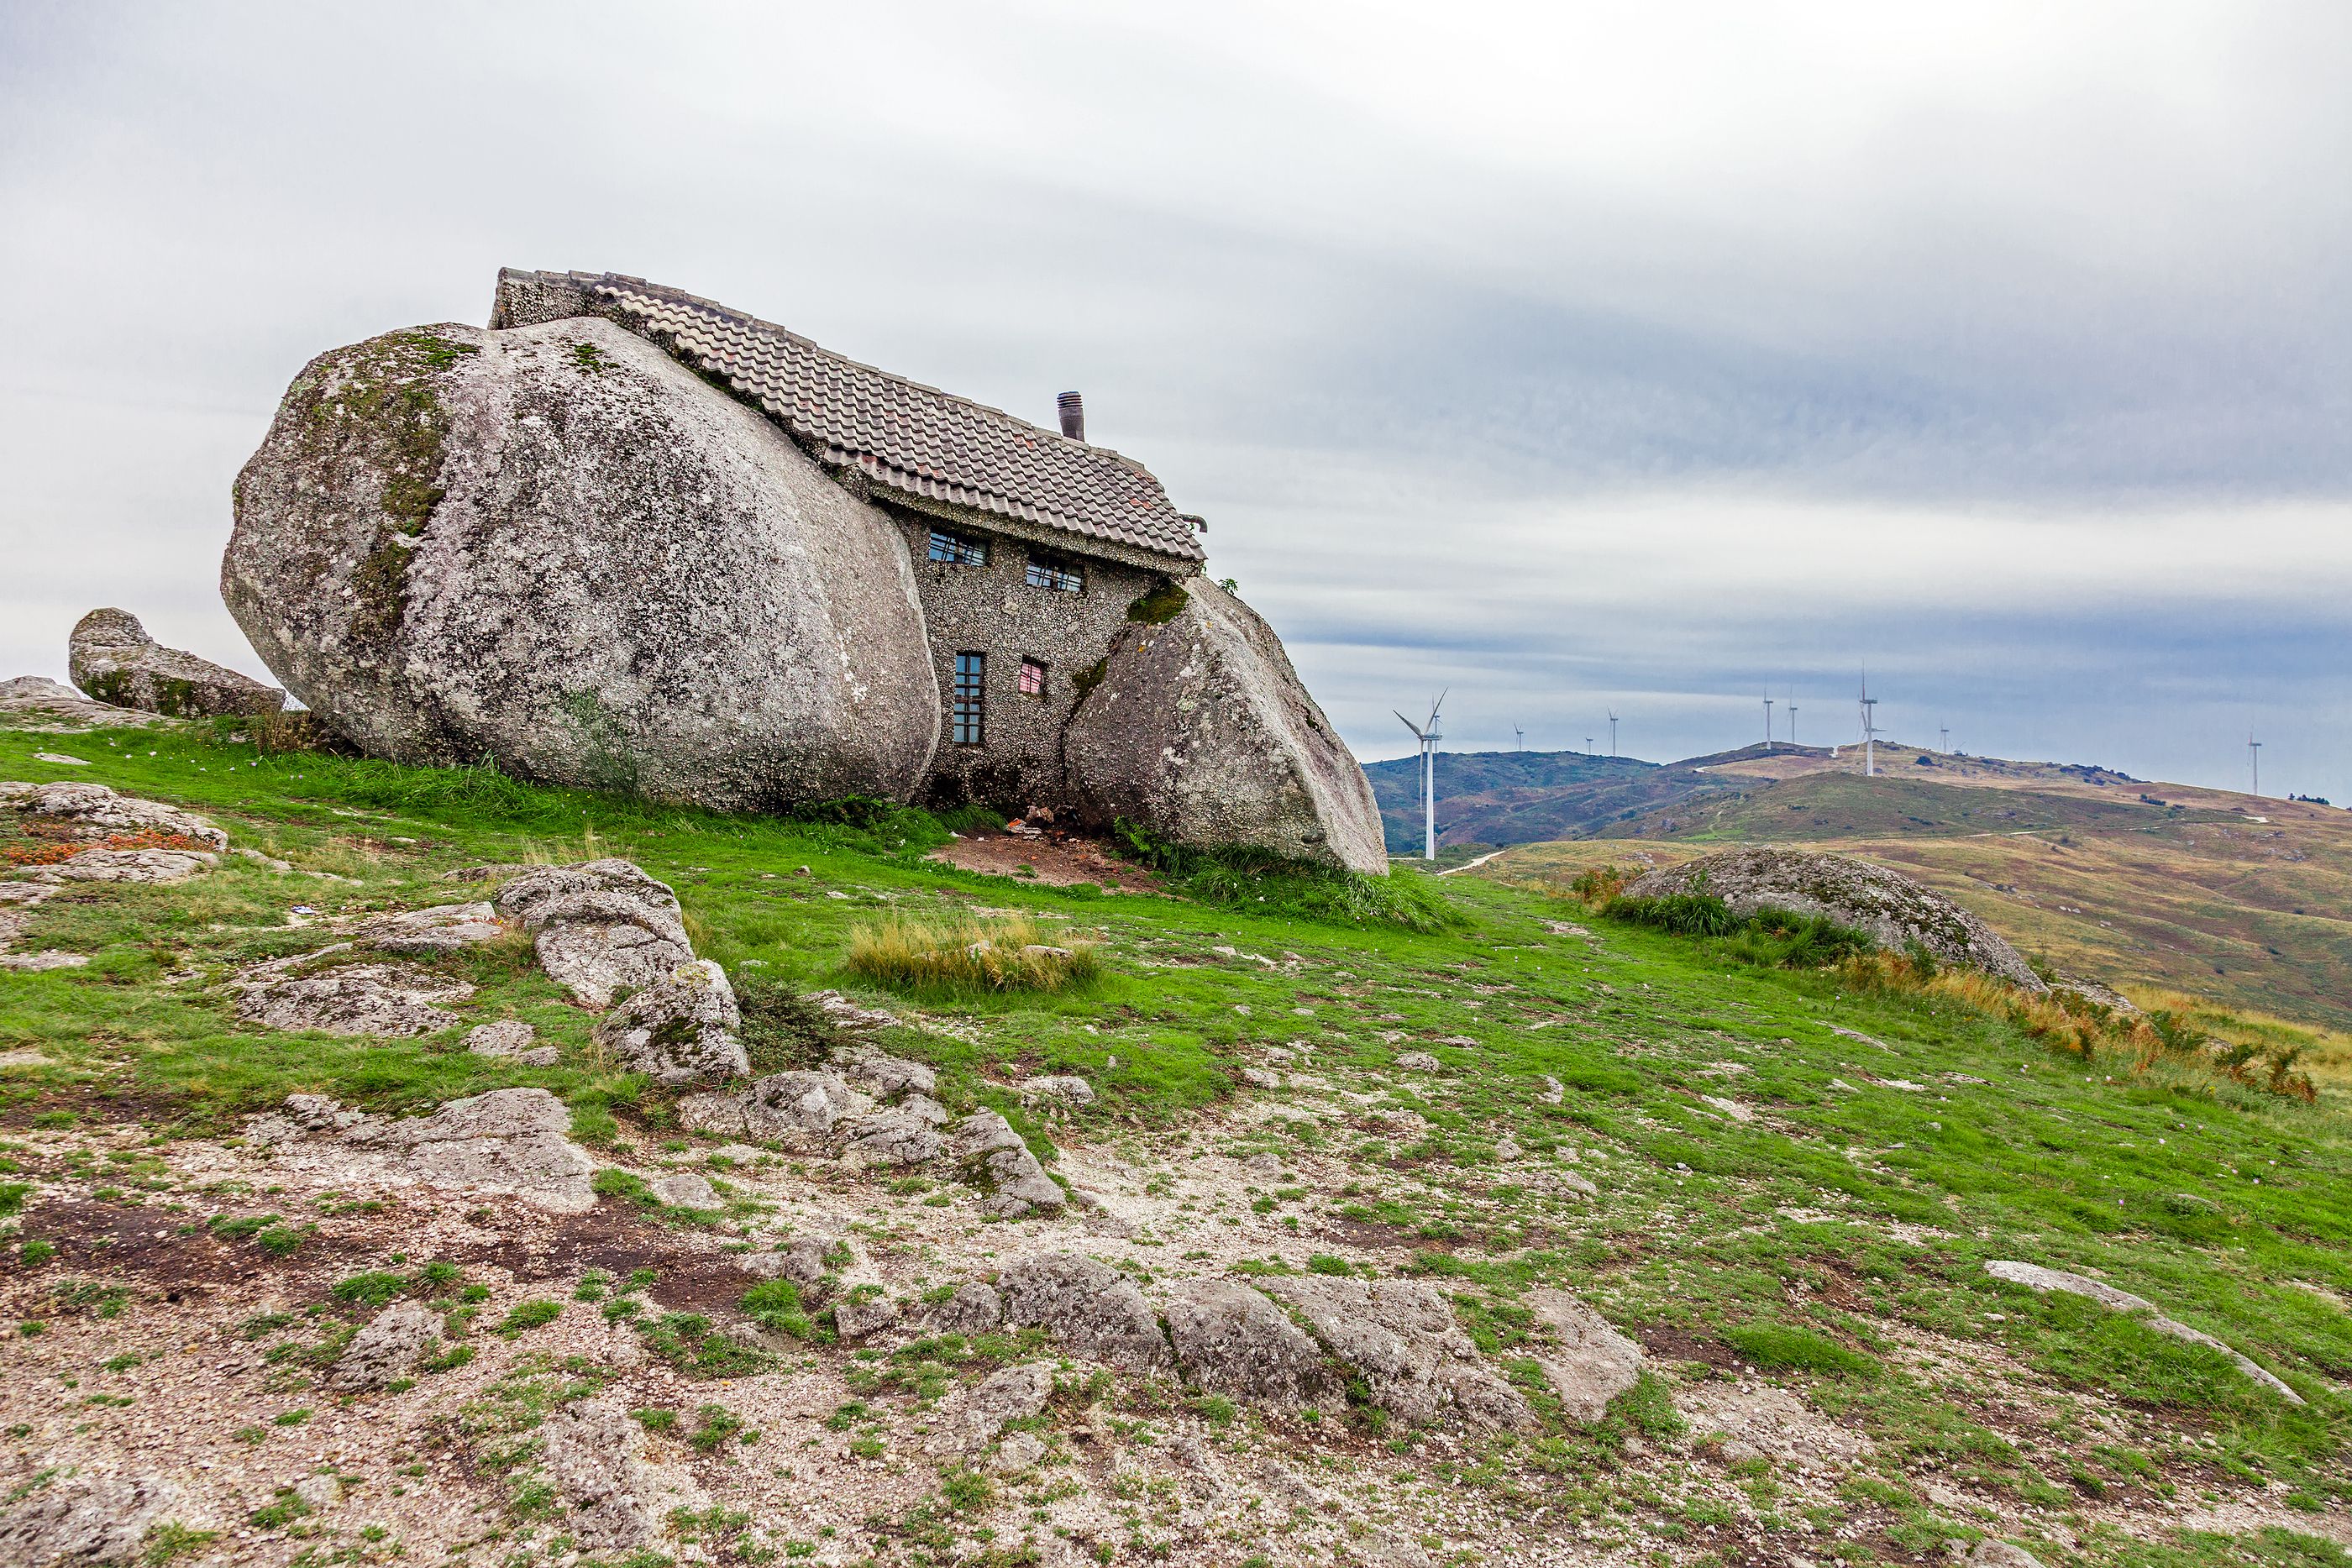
x=1031, y=550
x=627, y=539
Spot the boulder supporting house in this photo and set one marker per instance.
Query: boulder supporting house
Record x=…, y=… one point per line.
x=630, y=538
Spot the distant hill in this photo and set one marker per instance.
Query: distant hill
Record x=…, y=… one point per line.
x=1530, y=797
x=1502, y=798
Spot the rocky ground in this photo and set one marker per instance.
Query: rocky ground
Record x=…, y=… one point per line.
x=841, y=1311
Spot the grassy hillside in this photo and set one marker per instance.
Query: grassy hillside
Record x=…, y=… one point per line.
x=1796, y=1180
x=2252, y=905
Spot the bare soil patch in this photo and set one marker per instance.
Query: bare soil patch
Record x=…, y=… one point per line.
x=1053, y=860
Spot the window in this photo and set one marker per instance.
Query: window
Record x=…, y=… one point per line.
x=1052, y=572
x=1033, y=678
x=971, y=709
x=957, y=550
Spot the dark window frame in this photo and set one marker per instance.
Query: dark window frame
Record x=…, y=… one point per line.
x=968, y=700
x=1057, y=573
x=952, y=548
x=1043, y=674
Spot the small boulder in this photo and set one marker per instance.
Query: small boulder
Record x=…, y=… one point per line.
x=798, y=1106
x=976, y=1307
x=1229, y=1338
x=1589, y=1363
x=857, y=1315
x=1401, y=1336
x=896, y=1135
x=36, y=702
x=111, y=657
x=683, y=1028
x=1089, y=1306
x=1019, y=1451
x=1895, y=911
x=977, y=1414
x=1419, y=1062
x=884, y=1076
x=599, y=927
x=685, y=1190
x=511, y=1038
x=1993, y=1553
x=388, y=1348
x=994, y=1159
x=848, y=1015
x=1059, y=1089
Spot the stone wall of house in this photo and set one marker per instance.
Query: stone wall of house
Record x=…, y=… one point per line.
x=994, y=611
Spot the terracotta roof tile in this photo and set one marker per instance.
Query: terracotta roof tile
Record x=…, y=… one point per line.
x=904, y=435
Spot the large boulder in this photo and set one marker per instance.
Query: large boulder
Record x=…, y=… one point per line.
x=555, y=546
x=111, y=657
x=1197, y=728
x=599, y=927
x=1895, y=911
x=681, y=1029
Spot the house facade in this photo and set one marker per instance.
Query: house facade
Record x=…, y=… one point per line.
x=1031, y=550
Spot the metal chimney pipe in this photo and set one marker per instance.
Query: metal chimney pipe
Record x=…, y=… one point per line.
x=1074, y=416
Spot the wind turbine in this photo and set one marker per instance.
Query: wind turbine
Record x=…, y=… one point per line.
x=1946, y=731
x=1792, y=719
x=1869, y=730
x=1768, y=724
x=1612, y=732
x=1428, y=736
x=1588, y=745
x=1523, y=737
x=2254, y=759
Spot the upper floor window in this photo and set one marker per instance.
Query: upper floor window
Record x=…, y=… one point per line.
x=1054, y=571
x=1033, y=678
x=958, y=549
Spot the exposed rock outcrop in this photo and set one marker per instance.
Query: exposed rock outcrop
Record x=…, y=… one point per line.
x=1401, y=1336
x=1088, y=1305
x=599, y=927
x=977, y=1414
x=680, y=1029
x=1589, y=1363
x=388, y=1348
x=36, y=702
x=798, y=1107
x=511, y=1141
x=2035, y=1277
x=1895, y=910
x=1197, y=727
x=511, y=1038
x=111, y=657
x=594, y=1453
x=995, y=1160
x=83, y=1520
x=98, y=812
x=1232, y=1339
x=557, y=545
x=396, y=999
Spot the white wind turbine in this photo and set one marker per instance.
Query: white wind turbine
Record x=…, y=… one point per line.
x=1428, y=736
x=1869, y=729
x=1612, y=732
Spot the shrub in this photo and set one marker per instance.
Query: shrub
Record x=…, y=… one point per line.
x=1269, y=883
x=1596, y=885
x=967, y=957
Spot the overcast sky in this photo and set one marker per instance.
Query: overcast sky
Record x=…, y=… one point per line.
x=1571, y=356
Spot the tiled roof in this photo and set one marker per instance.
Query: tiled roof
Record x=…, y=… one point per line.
x=902, y=434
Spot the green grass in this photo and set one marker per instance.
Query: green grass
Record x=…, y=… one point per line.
x=1847, y=1201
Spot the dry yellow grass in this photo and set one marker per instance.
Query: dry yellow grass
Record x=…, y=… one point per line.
x=963, y=956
